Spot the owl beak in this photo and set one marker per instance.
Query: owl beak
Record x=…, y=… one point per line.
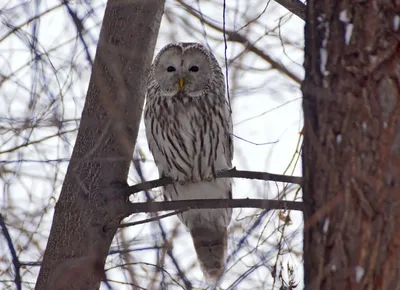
x=181, y=83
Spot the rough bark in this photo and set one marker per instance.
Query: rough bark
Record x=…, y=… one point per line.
x=81, y=232
x=351, y=154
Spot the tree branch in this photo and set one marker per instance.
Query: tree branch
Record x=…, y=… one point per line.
x=152, y=219
x=231, y=173
x=15, y=260
x=265, y=204
x=183, y=205
x=295, y=6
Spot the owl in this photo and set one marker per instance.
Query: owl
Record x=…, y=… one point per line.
x=189, y=130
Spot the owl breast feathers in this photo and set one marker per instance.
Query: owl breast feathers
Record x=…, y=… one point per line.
x=189, y=131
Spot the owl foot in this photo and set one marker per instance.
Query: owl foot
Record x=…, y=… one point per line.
x=209, y=177
x=181, y=181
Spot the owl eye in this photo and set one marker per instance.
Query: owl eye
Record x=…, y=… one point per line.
x=170, y=69
x=194, y=68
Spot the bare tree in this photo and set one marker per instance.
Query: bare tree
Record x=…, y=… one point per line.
x=351, y=145
x=103, y=149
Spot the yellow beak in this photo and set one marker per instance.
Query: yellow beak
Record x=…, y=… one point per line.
x=181, y=83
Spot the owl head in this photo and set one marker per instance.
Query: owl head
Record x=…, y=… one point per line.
x=186, y=67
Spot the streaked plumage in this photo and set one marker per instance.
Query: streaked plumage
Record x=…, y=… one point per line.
x=189, y=131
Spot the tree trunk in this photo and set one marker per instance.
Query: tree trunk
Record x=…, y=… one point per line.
x=79, y=239
x=351, y=155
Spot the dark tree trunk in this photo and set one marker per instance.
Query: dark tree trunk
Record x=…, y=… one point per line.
x=351, y=154
x=79, y=241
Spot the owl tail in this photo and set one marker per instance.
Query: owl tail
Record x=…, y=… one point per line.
x=210, y=246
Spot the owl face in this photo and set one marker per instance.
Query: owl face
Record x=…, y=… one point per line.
x=183, y=68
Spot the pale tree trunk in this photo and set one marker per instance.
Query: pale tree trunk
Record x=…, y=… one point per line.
x=80, y=238
x=351, y=161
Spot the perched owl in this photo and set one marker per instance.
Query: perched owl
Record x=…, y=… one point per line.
x=189, y=131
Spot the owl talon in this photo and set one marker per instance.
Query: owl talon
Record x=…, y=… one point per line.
x=183, y=182
x=179, y=181
x=208, y=177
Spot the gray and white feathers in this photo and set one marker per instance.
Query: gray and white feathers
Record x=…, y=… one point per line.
x=189, y=131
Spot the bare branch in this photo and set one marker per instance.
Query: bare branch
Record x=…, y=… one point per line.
x=294, y=6
x=266, y=204
x=80, y=29
x=232, y=173
x=213, y=203
x=28, y=21
x=15, y=260
x=28, y=143
x=152, y=219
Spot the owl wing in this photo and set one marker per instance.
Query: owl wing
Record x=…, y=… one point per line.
x=228, y=134
x=155, y=148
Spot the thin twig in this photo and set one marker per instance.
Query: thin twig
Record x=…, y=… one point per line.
x=225, y=55
x=80, y=29
x=156, y=218
x=15, y=260
x=28, y=21
x=28, y=143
